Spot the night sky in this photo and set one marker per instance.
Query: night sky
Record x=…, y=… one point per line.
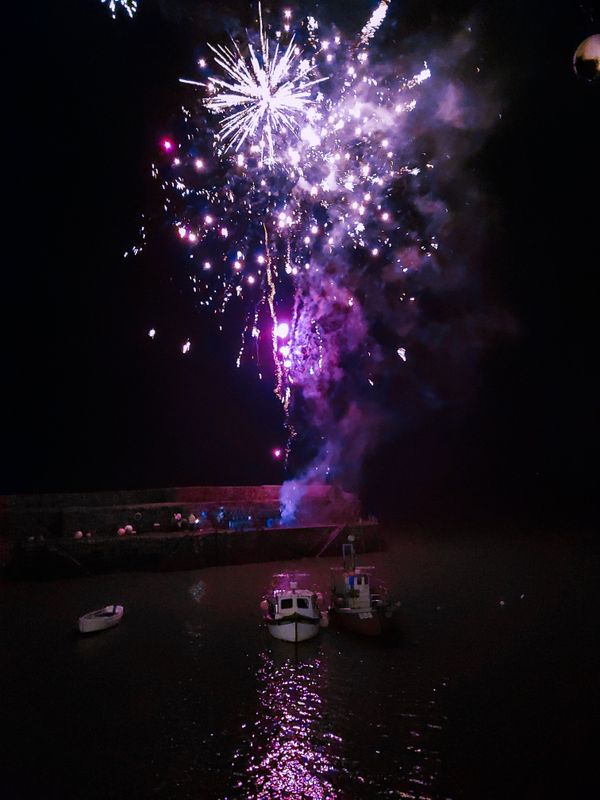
x=93, y=403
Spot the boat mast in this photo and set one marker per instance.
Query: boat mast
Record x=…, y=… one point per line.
x=348, y=555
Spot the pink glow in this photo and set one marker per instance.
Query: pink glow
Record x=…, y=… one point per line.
x=282, y=330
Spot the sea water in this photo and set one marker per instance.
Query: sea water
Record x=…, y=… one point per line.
x=486, y=691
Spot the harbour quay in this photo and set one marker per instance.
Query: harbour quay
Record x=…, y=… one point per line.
x=49, y=535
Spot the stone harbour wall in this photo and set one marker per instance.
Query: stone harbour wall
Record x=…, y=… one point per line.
x=62, y=514
x=68, y=557
x=186, y=525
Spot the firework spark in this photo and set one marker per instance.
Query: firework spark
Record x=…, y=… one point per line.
x=129, y=6
x=375, y=22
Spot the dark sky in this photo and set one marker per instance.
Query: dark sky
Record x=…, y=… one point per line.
x=91, y=405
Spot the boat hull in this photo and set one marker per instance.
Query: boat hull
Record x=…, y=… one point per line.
x=293, y=630
x=101, y=620
x=374, y=622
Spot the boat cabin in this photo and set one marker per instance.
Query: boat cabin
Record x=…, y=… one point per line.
x=352, y=588
x=284, y=602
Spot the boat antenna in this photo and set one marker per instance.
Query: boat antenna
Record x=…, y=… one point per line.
x=348, y=555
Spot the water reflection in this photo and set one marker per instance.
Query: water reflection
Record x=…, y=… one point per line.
x=334, y=718
x=290, y=753
x=391, y=719
x=197, y=591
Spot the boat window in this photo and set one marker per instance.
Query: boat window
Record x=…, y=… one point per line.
x=287, y=602
x=302, y=602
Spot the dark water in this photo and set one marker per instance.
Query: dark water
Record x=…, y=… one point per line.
x=490, y=691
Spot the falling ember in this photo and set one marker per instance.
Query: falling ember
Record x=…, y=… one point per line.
x=277, y=453
x=167, y=145
x=152, y=333
x=186, y=347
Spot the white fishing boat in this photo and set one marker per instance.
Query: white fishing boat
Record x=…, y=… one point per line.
x=357, y=605
x=102, y=618
x=292, y=613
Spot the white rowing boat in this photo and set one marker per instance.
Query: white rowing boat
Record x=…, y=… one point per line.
x=99, y=620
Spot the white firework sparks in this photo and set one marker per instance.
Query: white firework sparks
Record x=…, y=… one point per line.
x=267, y=93
x=375, y=22
x=129, y=6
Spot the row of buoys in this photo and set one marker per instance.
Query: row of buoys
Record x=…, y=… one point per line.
x=123, y=531
x=127, y=530
x=81, y=535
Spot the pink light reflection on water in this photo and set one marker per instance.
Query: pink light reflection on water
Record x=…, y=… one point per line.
x=291, y=754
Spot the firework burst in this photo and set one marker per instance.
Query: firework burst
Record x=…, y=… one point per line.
x=308, y=194
x=300, y=184
x=266, y=94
